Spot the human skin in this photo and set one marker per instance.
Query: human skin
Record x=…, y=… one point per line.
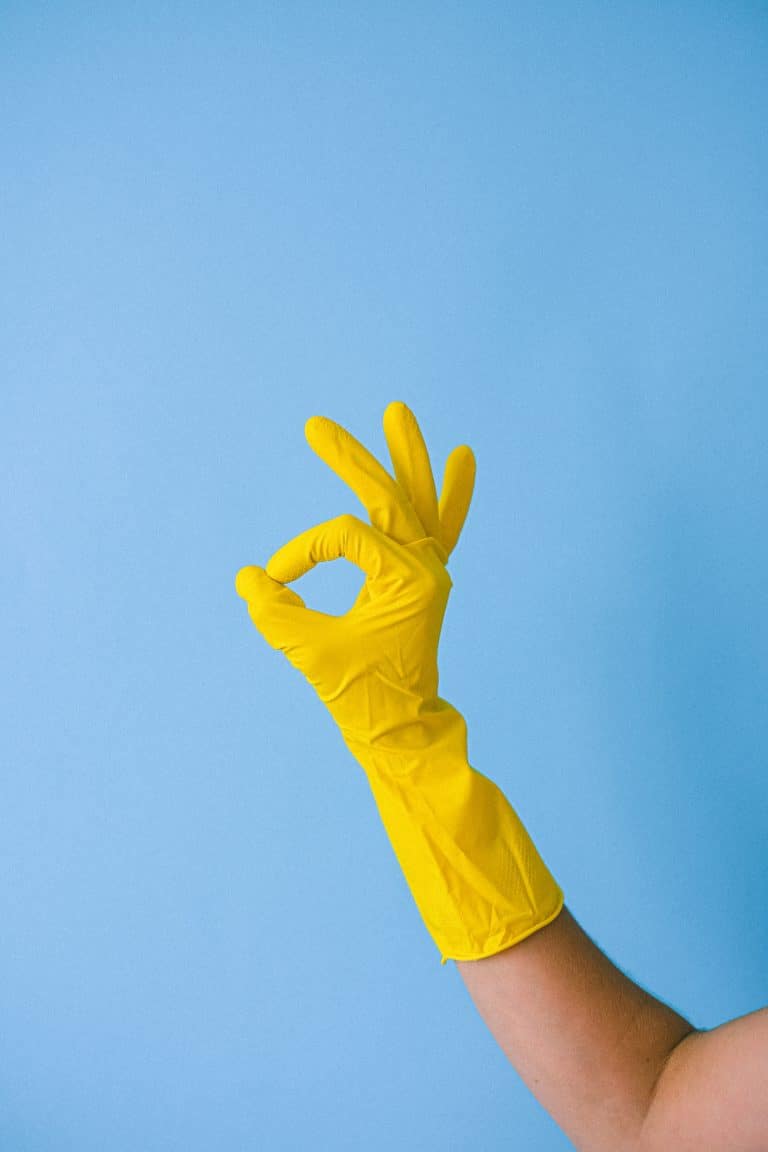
x=618, y=1070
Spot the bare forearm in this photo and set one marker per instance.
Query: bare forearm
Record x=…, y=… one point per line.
x=589, y=1042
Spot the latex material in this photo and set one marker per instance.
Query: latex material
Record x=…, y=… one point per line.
x=476, y=876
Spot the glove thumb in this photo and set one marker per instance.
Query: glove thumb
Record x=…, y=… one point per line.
x=273, y=608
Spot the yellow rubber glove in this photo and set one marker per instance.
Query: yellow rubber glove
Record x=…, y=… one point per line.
x=476, y=877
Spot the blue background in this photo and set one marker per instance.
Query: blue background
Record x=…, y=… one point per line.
x=544, y=227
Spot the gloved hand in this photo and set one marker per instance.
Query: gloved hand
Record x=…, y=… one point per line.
x=474, y=873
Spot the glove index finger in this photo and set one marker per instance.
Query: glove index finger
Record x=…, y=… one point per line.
x=343, y=537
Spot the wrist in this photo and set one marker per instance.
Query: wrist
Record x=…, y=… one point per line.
x=424, y=735
x=473, y=870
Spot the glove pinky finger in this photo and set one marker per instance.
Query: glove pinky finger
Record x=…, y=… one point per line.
x=456, y=494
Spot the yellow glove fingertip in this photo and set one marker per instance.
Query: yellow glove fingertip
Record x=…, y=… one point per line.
x=314, y=429
x=247, y=582
x=397, y=408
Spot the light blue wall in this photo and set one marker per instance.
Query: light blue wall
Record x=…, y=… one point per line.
x=544, y=227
